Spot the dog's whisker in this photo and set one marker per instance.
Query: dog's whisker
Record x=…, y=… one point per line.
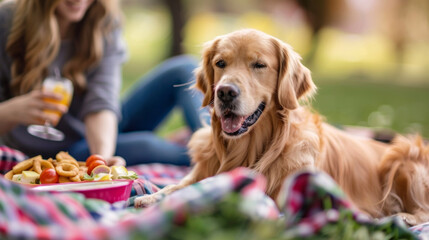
x=184, y=84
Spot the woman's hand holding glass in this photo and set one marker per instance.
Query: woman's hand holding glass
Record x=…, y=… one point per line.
x=57, y=93
x=30, y=108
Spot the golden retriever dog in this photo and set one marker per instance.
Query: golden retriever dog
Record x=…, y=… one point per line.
x=255, y=86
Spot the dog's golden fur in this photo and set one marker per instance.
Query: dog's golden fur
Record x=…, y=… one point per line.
x=380, y=179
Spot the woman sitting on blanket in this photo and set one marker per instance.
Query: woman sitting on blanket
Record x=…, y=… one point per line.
x=83, y=40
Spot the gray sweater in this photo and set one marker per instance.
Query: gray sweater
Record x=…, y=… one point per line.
x=103, y=88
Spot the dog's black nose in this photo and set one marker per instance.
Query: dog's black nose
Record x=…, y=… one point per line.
x=227, y=92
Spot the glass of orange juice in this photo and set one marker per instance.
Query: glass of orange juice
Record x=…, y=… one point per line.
x=61, y=86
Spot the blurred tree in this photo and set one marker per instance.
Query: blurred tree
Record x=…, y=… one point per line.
x=405, y=23
x=319, y=14
x=178, y=20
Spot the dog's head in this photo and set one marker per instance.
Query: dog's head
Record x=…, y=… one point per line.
x=245, y=73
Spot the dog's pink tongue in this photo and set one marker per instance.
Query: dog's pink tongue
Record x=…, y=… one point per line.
x=231, y=124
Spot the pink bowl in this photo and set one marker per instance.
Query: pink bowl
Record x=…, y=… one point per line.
x=110, y=191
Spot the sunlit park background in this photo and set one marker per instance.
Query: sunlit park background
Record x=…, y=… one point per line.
x=369, y=59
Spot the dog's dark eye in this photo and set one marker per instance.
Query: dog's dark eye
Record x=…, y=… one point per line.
x=221, y=64
x=259, y=65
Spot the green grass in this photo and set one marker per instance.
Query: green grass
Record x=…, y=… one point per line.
x=377, y=105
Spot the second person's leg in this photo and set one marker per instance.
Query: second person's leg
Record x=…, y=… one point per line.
x=149, y=103
x=164, y=88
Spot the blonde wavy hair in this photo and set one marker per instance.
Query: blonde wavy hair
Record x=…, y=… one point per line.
x=34, y=41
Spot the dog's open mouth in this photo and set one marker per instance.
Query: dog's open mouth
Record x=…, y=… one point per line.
x=234, y=125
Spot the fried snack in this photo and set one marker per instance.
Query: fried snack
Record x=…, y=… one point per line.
x=75, y=178
x=69, y=161
x=81, y=175
x=83, y=168
x=62, y=179
x=65, y=165
x=40, y=165
x=67, y=169
x=24, y=165
x=65, y=157
x=9, y=175
x=61, y=156
x=54, y=162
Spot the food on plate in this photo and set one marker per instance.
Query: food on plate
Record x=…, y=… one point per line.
x=29, y=177
x=82, y=171
x=75, y=178
x=131, y=175
x=64, y=165
x=62, y=179
x=94, y=157
x=97, y=169
x=67, y=169
x=94, y=164
x=74, y=163
x=17, y=177
x=40, y=164
x=102, y=177
x=120, y=172
x=101, y=169
x=24, y=165
x=63, y=156
x=64, y=168
x=9, y=175
x=103, y=172
x=49, y=175
x=93, y=161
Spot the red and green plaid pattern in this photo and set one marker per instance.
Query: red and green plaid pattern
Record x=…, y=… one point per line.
x=25, y=214
x=308, y=202
x=312, y=200
x=160, y=174
x=9, y=158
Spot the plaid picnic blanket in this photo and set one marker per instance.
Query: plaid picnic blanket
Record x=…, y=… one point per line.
x=308, y=202
x=160, y=174
x=9, y=158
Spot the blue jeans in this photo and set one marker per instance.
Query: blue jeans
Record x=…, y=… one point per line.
x=156, y=94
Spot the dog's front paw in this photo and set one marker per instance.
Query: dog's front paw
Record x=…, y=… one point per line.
x=145, y=201
x=408, y=218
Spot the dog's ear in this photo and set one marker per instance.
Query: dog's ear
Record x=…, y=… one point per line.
x=204, y=74
x=294, y=79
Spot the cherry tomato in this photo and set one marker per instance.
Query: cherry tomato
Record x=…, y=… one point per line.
x=49, y=175
x=94, y=164
x=92, y=158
